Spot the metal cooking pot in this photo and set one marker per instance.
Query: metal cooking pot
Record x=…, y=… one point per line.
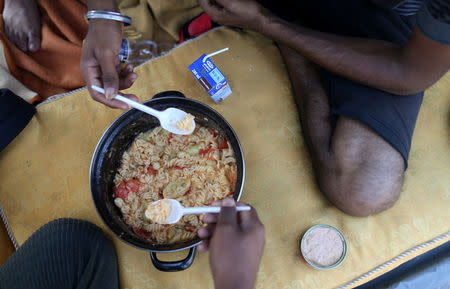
x=108, y=154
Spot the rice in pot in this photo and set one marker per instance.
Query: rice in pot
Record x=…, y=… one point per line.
x=194, y=169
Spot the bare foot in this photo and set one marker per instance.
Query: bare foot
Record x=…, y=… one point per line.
x=23, y=24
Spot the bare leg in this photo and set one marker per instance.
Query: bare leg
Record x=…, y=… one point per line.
x=356, y=169
x=23, y=24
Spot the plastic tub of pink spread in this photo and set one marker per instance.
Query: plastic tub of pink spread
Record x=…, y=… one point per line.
x=323, y=247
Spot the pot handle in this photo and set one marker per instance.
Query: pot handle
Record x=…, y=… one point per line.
x=168, y=93
x=176, y=265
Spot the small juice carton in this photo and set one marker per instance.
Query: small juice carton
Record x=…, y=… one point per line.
x=210, y=78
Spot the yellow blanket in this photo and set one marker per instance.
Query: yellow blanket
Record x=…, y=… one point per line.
x=44, y=173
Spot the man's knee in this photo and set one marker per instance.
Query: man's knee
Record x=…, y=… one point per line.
x=79, y=235
x=362, y=174
x=362, y=203
x=363, y=189
x=72, y=228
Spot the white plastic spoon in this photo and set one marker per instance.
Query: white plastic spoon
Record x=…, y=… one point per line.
x=168, y=118
x=177, y=211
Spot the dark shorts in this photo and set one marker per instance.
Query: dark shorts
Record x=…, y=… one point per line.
x=15, y=113
x=392, y=116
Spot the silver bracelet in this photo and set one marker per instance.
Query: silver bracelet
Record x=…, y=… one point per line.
x=100, y=14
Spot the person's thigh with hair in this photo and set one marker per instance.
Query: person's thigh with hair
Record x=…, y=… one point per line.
x=65, y=253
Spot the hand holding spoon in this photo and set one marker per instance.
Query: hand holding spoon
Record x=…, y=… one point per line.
x=174, y=210
x=170, y=118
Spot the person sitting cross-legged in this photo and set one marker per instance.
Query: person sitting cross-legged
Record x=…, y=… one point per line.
x=358, y=70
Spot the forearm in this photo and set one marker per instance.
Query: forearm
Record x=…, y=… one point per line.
x=375, y=63
x=109, y=5
x=239, y=279
x=235, y=284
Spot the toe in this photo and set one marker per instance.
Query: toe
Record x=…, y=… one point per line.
x=34, y=43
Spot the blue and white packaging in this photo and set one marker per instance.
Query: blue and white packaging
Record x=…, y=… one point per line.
x=210, y=78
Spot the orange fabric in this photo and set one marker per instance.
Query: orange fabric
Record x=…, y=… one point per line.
x=55, y=67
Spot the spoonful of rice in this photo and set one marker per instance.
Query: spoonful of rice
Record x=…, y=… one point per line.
x=172, y=119
x=170, y=211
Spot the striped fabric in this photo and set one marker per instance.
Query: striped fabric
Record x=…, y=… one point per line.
x=63, y=254
x=439, y=9
x=408, y=7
